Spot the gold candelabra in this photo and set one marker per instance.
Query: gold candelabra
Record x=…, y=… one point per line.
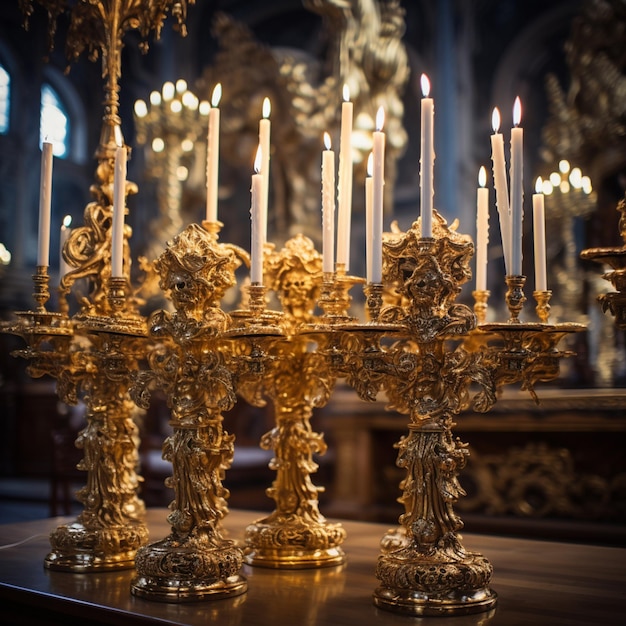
x=419, y=347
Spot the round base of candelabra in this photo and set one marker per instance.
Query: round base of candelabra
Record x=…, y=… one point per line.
x=162, y=589
x=409, y=602
x=187, y=569
x=444, y=581
x=294, y=558
x=77, y=548
x=85, y=562
x=285, y=541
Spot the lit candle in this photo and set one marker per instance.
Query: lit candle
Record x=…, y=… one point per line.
x=501, y=186
x=64, y=268
x=517, y=189
x=256, y=248
x=264, y=142
x=119, y=205
x=482, y=230
x=368, y=218
x=345, y=182
x=213, y=155
x=328, y=206
x=539, y=232
x=45, y=205
x=378, y=180
x=427, y=159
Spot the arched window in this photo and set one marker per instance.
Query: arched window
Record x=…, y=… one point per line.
x=5, y=99
x=54, y=122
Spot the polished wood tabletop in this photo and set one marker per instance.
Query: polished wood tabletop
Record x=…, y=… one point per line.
x=538, y=583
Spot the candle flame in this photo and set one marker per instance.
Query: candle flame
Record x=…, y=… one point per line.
x=267, y=107
x=495, y=120
x=346, y=93
x=517, y=111
x=258, y=159
x=425, y=83
x=380, y=118
x=370, y=164
x=482, y=176
x=67, y=221
x=216, y=95
x=327, y=141
x=539, y=185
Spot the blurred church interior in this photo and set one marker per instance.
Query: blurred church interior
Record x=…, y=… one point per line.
x=553, y=469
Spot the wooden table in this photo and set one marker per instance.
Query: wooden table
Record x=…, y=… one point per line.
x=538, y=583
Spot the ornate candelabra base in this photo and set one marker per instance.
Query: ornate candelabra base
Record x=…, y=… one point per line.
x=293, y=542
x=423, y=567
x=187, y=569
x=79, y=547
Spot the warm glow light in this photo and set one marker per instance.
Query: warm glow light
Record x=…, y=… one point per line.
x=346, y=93
x=168, y=90
x=380, y=118
x=576, y=178
x=216, y=96
x=547, y=187
x=539, y=185
x=425, y=84
x=141, y=108
x=482, y=176
x=181, y=85
x=204, y=107
x=267, y=108
x=186, y=145
x=563, y=166
x=182, y=173
x=586, y=184
x=258, y=159
x=564, y=186
x=67, y=221
x=176, y=106
x=158, y=145
x=370, y=164
x=327, y=143
x=5, y=255
x=517, y=111
x=155, y=98
x=495, y=120
x=189, y=100
x=555, y=179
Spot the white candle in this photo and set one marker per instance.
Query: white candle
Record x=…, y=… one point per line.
x=264, y=142
x=517, y=189
x=213, y=155
x=482, y=230
x=64, y=268
x=427, y=159
x=501, y=186
x=539, y=232
x=45, y=205
x=328, y=206
x=378, y=181
x=256, y=248
x=119, y=205
x=368, y=218
x=345, y=182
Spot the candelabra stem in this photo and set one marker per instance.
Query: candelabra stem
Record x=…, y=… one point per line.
x=41, y=295
x=373, y=300
x=111, y=527
x=515, y=296
x=423, y=568
x=543, y=305
x=481, y=297
x=194, y=562
x=295, y=535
